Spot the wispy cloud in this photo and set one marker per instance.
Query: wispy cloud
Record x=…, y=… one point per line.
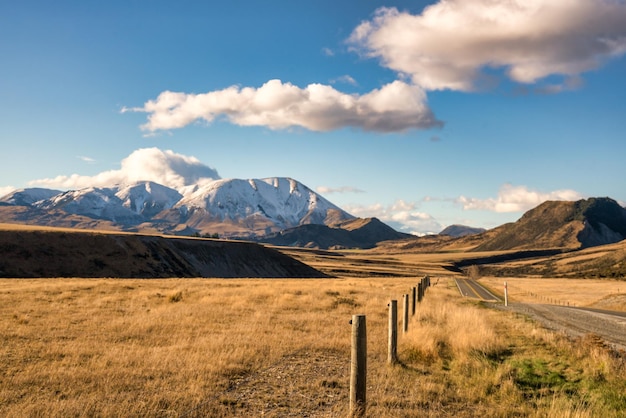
x=516, y=199
x=456, y=44
x=401, y=215
x=345, y=79
x=328, y=52
x=395, y=107
x=86, y=159
x=342, y=189
x=147, y=164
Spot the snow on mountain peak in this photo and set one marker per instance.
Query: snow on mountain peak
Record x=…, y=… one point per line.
x=27, y=197
x=147, y=198
x=253, y=205
x=283, y=200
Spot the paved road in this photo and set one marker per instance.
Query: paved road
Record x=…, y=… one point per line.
x=471, y=289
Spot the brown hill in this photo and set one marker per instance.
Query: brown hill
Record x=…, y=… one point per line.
x=461, y=231
x=549, y=226
x=603, y=261
x=51, y=252
x=356, y=233
x=566, y=225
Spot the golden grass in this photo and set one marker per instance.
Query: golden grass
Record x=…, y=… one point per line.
x=117, y=347
x=483, y=362
x=251, y=347
x=576, y=292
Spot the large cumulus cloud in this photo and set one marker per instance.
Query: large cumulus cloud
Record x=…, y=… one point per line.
x=394, y=107
x=147, y=164
x=453, y=43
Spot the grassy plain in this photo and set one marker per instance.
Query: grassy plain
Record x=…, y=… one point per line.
x=280, y=348
x=598, y=293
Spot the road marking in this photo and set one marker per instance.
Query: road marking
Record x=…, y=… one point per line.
x=465, y=285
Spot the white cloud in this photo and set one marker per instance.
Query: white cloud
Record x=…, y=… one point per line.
x=451, y=43
x=395, y=107
x=516, y=199
x=401, y=215
x=6, y=190
x=147, y=164
x=86, y=159
x=342, y=189
x=346, y=79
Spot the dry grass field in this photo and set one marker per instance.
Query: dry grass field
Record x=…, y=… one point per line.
x=593, y=293
x=281, y=348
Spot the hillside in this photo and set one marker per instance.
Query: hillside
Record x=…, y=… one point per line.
x=356, y=233
x=461, y=231
x=562, y=226
x=38, y=252
x=603, y=261
x=566, y=225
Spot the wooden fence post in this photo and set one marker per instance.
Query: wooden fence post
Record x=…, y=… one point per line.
x=420, y=295
x=405, y=322
x=358, y=366
x=413, y=299
x=392, y=352
x=506, y=295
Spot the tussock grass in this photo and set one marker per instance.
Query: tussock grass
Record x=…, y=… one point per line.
x=249, y=347
x=473, y=361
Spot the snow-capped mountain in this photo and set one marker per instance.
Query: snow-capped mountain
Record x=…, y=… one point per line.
x=93, y=202
x=148, y=198
x=126, y=204
x=285, y=201
x=27, y=197
x=230, y=207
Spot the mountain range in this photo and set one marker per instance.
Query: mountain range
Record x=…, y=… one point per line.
x=229, y=208
x=282, y=211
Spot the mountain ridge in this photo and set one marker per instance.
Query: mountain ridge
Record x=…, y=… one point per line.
x=561, y=224
x=49, y=252
x=552, y=225
x=361, y=233
x=233, y=208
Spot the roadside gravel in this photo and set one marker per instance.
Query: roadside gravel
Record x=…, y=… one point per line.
x=576, y=322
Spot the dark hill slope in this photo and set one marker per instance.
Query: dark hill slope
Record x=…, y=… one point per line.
x=566, y=225
x=356, y=233
x=461, y=231
x=50, y=253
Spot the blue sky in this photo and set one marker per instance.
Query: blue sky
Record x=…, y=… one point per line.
x=421, y=113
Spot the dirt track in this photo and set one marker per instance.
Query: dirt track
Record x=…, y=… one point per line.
x=610, y=326
x=577, y=322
